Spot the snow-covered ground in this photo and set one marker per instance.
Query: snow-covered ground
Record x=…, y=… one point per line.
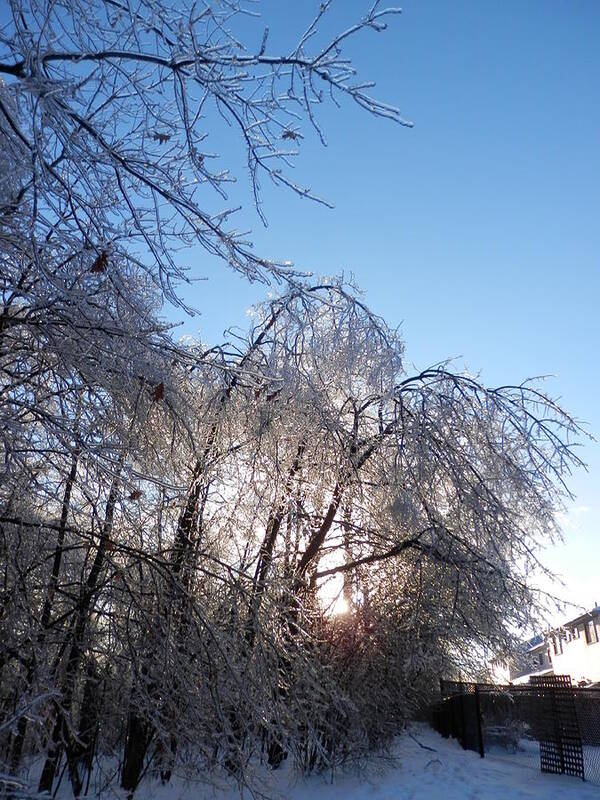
x=425, y=767
x=444, y=772
x=528, y=755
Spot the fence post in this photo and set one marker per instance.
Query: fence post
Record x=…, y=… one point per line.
x=479, y=731
x=463, y=719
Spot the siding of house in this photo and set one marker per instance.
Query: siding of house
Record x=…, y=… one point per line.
x=573, y=649
x=536, y=662
x=580, y=656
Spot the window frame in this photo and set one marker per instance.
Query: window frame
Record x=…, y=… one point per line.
x=591, y=632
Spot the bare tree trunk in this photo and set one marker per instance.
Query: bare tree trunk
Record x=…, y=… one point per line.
x=347, y=590
x=140, y=732
x=61, y=733
x=19, y=739
x=265, y=556
x=89, y=717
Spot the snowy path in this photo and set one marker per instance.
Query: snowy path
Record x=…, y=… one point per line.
x=449, y=773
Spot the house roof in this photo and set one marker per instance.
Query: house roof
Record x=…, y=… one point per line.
x=536, y=643
x=585, y=617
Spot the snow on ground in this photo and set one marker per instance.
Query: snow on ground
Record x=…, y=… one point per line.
x=446, y=772
x=424, y=767
x=528, y=754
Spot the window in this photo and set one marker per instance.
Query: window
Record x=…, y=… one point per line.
x=557, y=645
x=591, y=632
x=541, y=659
x=576, y=632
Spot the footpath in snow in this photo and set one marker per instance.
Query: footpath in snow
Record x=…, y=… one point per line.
x=445, y=772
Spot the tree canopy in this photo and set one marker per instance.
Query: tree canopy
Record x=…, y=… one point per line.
x=173, y=513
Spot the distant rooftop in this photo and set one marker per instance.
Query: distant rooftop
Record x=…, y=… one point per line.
x=587, y=615
x=534, y=642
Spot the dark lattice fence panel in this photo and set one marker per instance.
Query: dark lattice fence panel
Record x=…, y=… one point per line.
x=545, y=724
x=587, y=707
x=560, y=741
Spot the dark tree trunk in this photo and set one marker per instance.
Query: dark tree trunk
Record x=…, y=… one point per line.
x=61, y=733
x=19, y=739
x=89, y=718
x=265, y=555
x=139, y=736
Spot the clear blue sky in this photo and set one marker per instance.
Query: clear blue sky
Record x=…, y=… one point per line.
x=479, y=229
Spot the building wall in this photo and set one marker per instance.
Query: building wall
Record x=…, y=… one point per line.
x=578, y=659
x=536, y=661
x=573, y=649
